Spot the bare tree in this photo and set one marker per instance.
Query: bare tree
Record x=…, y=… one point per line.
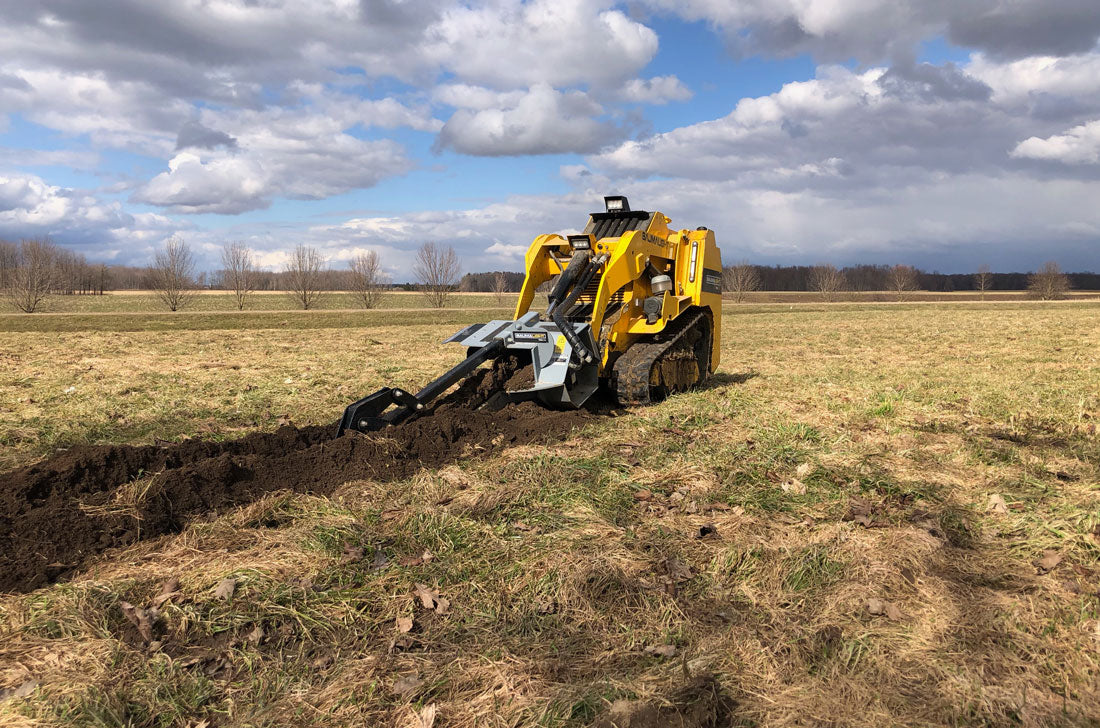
x=33, y=275
x=739, y=279
x=9, y=259
x=437, y=268
x=983, y=280
x=827, y=280
x=903, y=279
x=368, y=280
x=238, y=271
x=304, y=272
x=500, y=286
x=172, y=276
x=1049, y=284
x=67, y=272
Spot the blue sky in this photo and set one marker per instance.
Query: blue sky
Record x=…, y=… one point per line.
x=940, y=135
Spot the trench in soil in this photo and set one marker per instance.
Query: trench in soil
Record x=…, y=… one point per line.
x=54, y=515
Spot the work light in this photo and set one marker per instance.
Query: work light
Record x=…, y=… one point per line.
x=616, y=203
x=580, y=242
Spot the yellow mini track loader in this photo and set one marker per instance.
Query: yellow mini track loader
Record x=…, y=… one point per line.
x=634, y=307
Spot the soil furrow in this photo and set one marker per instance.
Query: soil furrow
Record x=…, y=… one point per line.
x=57, y=515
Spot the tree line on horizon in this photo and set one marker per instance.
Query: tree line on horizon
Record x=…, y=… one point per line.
x=33, y=269
x=1047, y=283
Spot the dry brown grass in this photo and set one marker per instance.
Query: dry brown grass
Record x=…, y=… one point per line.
x=563, y=563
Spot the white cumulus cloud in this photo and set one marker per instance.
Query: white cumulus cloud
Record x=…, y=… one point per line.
x=1079, y=145
x=542, y=121
x=507, y=251
x=510, y=44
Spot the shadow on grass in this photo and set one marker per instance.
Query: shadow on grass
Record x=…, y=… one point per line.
x=721, y=379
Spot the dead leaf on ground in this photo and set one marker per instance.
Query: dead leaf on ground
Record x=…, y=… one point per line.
x=643, y=495
x=677, y=570
x=884, y=608
x=425, y=718
x=661, y=650
x=997, y=504
x=426, y=596
x=143, y=619
x=225, y=589
x=20, y=691
x=430, y=599
x=168, y=590
x=860, y=511
x=390, y=514
x=404, y=624
x=256, y=636
x=351, y=554
x=794, y=485
x=423, y=557
x=407, y=685
x=858, y=507
x=1050, y=560
x=803, y=470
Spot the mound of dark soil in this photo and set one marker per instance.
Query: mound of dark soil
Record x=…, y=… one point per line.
x=47, y=531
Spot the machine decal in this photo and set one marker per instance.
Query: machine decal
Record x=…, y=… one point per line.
x=531, y=337
x=712, y=281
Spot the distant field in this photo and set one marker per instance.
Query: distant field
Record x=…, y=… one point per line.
x=941, y=458
x=221, y=301
x=208, y=301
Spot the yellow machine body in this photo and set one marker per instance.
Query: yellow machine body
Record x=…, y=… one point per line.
x=691, y=258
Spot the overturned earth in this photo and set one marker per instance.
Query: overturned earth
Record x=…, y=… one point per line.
x=56, y=515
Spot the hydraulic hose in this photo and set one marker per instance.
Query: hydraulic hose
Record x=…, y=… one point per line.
x=577, y=264
x=583, y=352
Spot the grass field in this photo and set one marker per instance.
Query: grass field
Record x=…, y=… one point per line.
x=899, y=504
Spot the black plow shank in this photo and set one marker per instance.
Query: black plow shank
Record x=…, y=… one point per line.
x=370, y=413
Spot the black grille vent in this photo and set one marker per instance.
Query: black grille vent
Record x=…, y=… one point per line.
x=614, y=224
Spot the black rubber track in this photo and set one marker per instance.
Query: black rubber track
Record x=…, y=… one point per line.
x=632, y=371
